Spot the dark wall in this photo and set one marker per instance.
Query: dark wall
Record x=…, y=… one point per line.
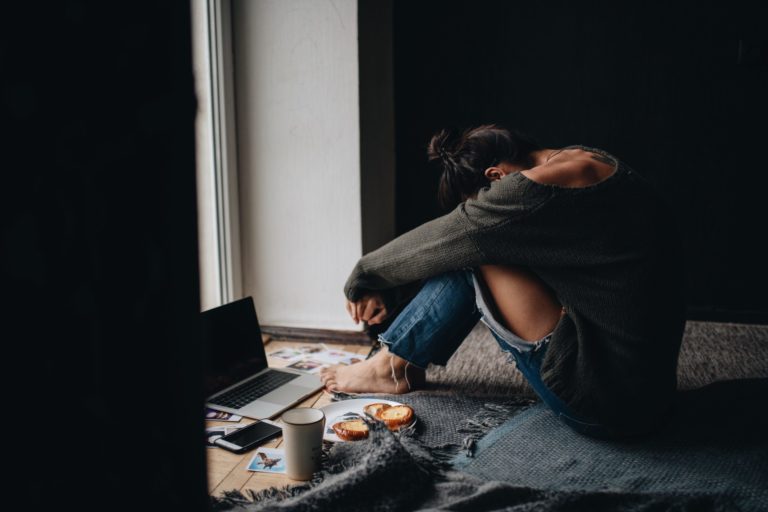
x=663, y=87
x=101, y=360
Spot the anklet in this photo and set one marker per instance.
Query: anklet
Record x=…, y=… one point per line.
x=405, y=372
x=392, y=366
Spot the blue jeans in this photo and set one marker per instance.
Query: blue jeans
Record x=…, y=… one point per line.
x=438, y=319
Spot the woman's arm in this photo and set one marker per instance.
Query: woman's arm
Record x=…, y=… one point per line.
x=446, y=243
x=438, y=246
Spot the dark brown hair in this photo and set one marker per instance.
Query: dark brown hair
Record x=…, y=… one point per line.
x=464, y=157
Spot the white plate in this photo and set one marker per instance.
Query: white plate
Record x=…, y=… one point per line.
x=336, y=410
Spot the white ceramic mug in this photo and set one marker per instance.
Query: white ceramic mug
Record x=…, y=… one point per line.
x=303, y=429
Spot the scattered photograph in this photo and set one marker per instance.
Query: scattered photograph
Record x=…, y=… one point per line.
x=335, y=356
x=268, y=460
x=312, y=358
x=307, y=365
x=320, y=366
x=287, y=354
x=214, y=415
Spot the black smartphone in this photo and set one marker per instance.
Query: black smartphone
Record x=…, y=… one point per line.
x=249, y=437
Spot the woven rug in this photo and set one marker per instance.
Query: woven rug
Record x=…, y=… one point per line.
x=715, y=445
x=711, y=351
x=402, y=472
x=408, y=472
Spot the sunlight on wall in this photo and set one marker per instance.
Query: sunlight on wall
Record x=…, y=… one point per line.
x=296, y=68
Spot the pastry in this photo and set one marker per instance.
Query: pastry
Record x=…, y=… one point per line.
x=373, y=410
x=396, y=417
x=352, y=430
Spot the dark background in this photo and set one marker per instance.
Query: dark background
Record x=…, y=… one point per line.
x=660, y=85
x=100, y=355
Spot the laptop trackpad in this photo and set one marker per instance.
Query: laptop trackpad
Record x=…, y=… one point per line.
x=286, y=394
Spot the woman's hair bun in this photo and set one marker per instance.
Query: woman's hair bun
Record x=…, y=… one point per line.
x=441, y=146
x=464, y=157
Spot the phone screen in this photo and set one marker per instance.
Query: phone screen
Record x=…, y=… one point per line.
x=254, y=433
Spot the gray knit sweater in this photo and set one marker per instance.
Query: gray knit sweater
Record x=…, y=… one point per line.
x=611, y=253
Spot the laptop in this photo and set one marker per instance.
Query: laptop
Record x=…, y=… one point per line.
x=237, y=377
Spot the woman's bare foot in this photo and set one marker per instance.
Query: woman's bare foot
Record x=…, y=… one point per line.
x=374, y=375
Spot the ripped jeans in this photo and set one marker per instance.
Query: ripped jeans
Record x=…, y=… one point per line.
x=436, y=321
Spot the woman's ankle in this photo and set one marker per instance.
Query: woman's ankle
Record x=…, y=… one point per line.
x=405, y=375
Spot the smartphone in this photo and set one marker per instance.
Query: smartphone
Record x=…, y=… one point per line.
x=249, y=437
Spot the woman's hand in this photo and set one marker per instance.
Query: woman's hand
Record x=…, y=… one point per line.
x=369, y=308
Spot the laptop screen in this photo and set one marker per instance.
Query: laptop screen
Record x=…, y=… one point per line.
x=232, y=343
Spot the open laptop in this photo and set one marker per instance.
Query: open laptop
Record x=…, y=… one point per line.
x=237, y=377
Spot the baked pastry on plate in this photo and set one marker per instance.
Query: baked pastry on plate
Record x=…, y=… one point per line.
x=373, y=409
x=361, y=409
x=351, y=430
x=396, y=416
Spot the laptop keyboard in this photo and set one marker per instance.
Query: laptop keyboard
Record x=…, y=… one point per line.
x=253, y=389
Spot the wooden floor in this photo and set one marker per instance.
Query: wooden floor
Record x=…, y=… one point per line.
x=227, y=470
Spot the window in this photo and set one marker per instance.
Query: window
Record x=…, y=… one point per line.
x=219, y=239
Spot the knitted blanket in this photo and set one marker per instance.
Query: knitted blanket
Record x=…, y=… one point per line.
x=714, y=445
x=391, y=473
x=410, y=471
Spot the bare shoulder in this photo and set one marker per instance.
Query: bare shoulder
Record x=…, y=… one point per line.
x=573, y=168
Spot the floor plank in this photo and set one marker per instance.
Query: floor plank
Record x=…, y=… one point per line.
x=221, y=463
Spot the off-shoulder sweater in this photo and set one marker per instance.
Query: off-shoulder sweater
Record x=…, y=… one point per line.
x=612, y=255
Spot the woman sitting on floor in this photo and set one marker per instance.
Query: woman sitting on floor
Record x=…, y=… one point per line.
x=568, y=255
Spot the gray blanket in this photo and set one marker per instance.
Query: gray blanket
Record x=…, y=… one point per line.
x=413, y=471
x=391, y=473
x=715, y=445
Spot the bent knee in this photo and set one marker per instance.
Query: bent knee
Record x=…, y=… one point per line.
x=525, y=304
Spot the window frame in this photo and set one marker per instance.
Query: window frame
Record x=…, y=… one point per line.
x=217, y=170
